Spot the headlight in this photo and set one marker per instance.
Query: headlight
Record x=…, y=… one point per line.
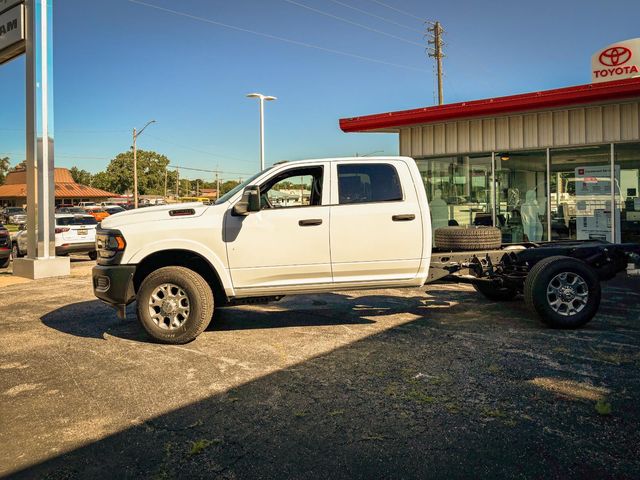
x=109, y=243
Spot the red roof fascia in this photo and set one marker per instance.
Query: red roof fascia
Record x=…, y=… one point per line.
x=560, y=97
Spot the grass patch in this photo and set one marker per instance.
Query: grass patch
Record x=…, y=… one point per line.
x=616, y=358
x=336, y=412
x=603, y=407
x=420, y=397
x=494, y=369
x=199, y=446
x=493, y=413
x=300, y=413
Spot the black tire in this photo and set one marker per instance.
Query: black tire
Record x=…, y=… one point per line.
x=495, y=293
x=15, y=251
x=199, y=303
x=468, y=238
x=573, y=309
x=93, y=255
x=5, y=263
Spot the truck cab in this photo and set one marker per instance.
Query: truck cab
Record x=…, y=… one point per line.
x=295, y=228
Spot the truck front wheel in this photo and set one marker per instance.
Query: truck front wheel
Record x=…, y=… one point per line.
x=564, y=291
x=175, y=304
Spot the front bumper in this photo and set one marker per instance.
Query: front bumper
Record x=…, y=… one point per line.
x=80, y=247
x=114, y=284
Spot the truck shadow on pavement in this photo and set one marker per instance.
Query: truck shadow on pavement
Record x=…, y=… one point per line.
x=93, y=319
x=437, y=396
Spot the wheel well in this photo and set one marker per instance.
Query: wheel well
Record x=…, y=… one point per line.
x=181, y=258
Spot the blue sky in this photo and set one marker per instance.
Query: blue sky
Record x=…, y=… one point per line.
x=119, y=63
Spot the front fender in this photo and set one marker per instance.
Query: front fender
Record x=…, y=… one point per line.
x=189, y=245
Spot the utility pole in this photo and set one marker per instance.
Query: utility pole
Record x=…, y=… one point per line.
x=434, y=32
x=177, y=183
x=135, y=171
x=217, y=186
x=165, y=183
x=135, y=163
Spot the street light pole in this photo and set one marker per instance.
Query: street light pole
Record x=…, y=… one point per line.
x=135, y=162
x=262, y=99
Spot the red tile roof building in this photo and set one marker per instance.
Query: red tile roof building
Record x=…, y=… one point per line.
x=14, y=190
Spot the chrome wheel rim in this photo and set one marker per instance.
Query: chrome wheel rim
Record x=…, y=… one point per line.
x=567, y=294
x=169, y=306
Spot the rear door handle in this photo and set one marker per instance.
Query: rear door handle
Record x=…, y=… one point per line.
x=310, y=222
x=407, y=217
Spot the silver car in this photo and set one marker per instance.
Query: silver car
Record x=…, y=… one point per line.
x=14, y=215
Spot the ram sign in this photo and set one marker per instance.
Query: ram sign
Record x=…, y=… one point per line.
x=12, y=39
x=617, y=61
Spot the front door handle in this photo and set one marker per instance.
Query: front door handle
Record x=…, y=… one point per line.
x=310, y=222
x=407, y=217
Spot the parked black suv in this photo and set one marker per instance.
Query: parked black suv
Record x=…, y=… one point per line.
x=5, y=247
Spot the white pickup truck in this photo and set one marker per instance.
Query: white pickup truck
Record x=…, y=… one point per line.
x=324, y=225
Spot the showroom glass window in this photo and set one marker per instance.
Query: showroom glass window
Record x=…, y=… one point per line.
x=521, y=196
x=627, y=191
x=459, y=189
x=580, y=199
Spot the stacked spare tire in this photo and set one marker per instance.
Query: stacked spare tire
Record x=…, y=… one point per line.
x=461, y=239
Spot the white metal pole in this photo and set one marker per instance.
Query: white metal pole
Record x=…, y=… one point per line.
x=261, y=133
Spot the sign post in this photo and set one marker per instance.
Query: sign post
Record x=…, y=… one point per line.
x=41, y=261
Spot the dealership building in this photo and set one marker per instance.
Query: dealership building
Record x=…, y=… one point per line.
x=554, y=164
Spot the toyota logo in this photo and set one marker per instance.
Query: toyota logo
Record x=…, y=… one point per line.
x=614, y=56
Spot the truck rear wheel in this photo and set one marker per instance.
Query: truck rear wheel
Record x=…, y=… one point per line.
x=175, y=304
x=564, y=291
x=495, y=293
x=468, y=238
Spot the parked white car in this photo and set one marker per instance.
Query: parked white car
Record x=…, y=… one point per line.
x=74, y=234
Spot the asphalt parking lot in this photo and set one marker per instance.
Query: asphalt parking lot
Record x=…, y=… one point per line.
x=425, y=383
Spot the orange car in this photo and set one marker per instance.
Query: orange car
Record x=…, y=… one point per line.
x=97, y=213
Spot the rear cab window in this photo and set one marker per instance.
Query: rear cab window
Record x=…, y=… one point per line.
x=66, y=221
x=368, y=183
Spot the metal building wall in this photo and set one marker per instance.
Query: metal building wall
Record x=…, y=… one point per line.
x=547, y=129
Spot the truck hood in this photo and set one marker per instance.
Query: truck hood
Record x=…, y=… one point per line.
x=152, y=214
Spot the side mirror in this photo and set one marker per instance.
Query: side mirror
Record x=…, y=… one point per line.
x=22, y=226
x=250, y=201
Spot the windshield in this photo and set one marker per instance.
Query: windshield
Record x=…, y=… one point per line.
x=112, y=210
x=240, y=186
x=15, y=210
x=88, y=220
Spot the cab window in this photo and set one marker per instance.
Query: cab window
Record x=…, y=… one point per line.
x=368, y=182
x=297, y=187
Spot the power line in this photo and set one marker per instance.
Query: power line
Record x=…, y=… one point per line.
x=398, y=10
x=208, y=171
x=275, y=37
x=373, y=15
x=198, y=150
x=330, y=15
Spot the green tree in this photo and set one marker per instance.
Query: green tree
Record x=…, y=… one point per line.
x=151, y=172
x=80, y=176
x=101, y=180
x=228, y=185
x=4, y=168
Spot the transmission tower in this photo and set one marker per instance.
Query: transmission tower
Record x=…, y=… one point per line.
x=434, y=50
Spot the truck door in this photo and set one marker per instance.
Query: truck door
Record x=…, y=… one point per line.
x=286, y=243
x=376, y=224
